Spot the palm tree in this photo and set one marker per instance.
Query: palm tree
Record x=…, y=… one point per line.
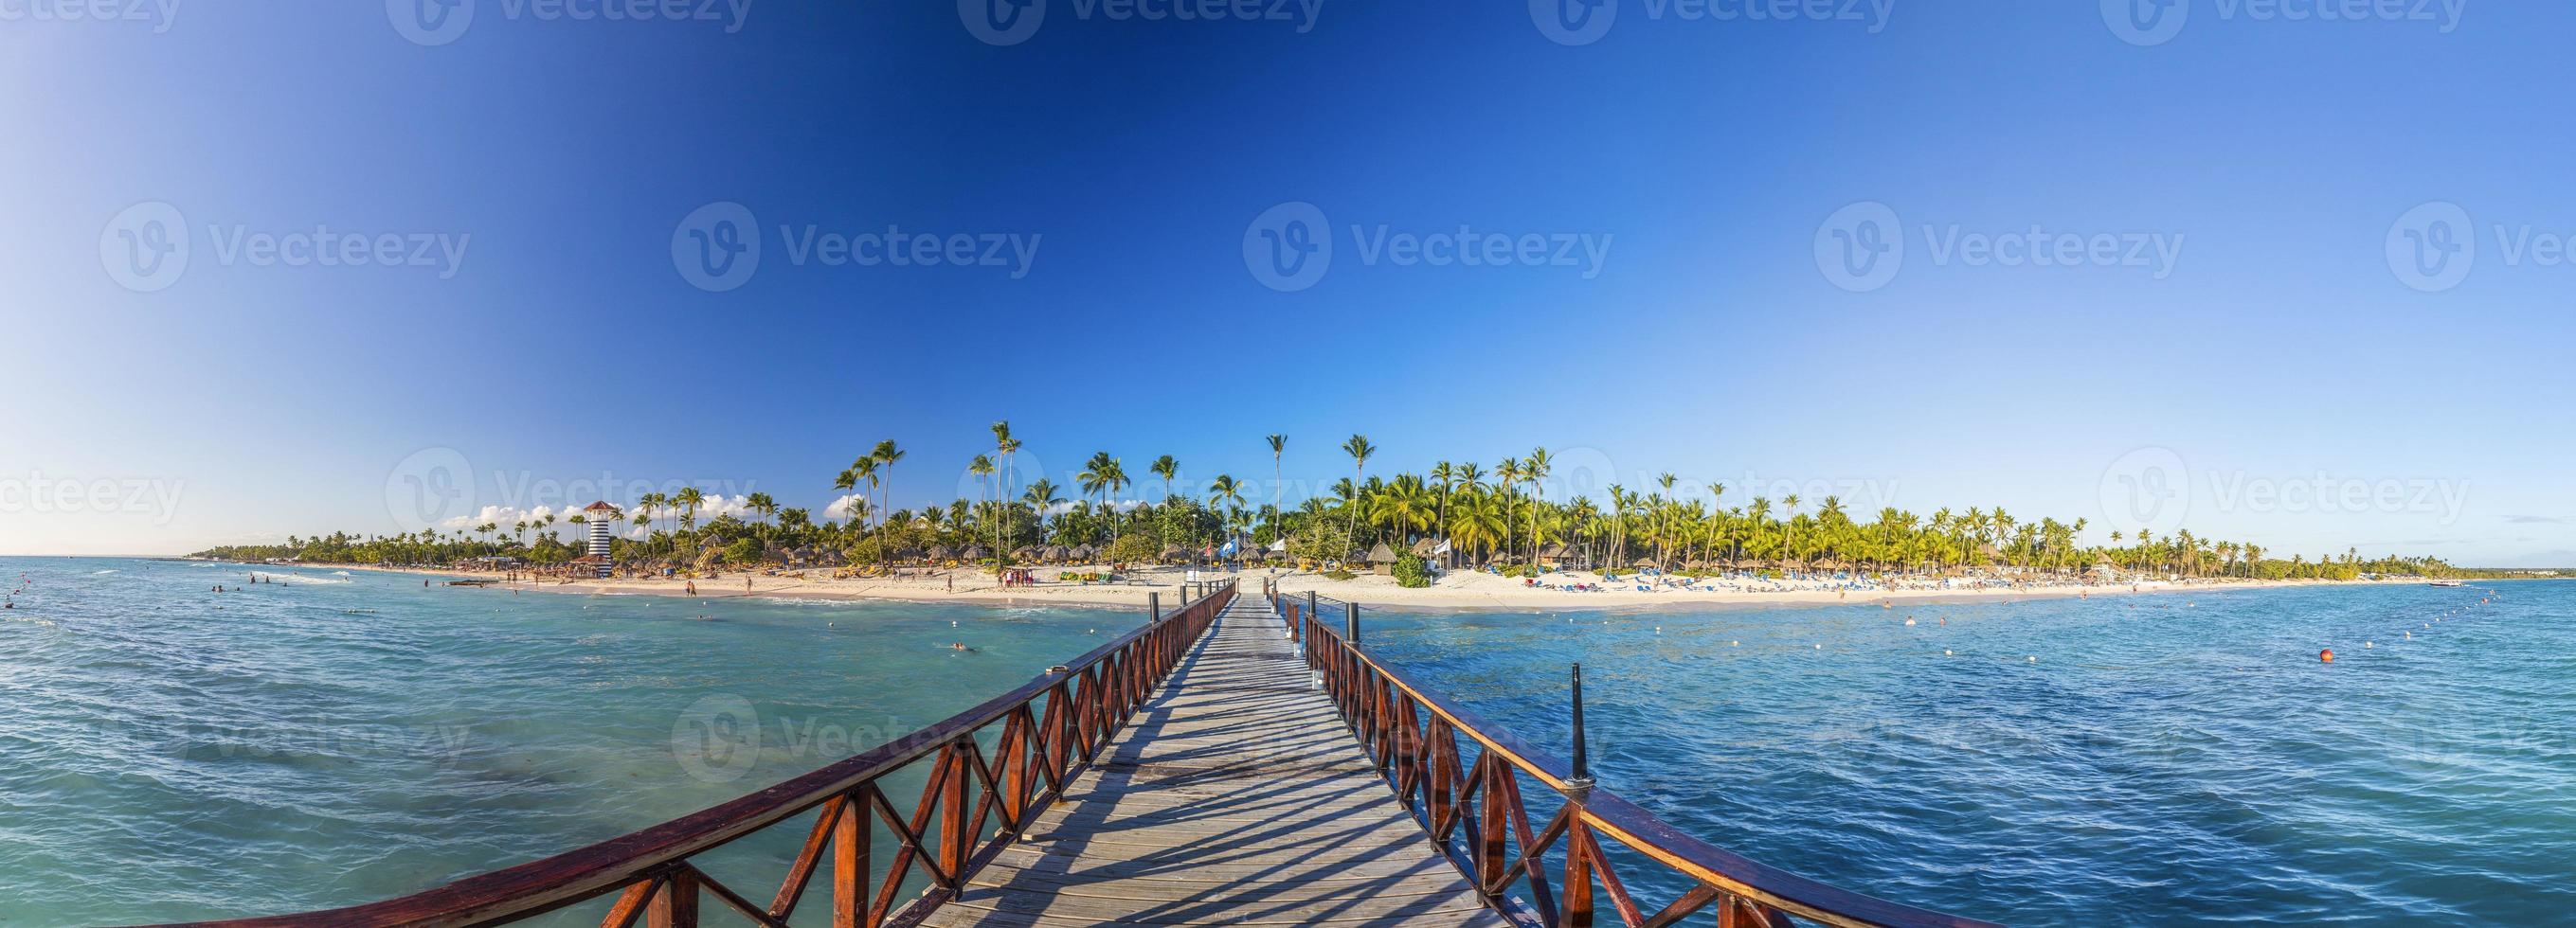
x=1225, y=490
x=883, y=456
x=1359, y=449
x=982, y=468
x=1165, y=467
x=1006, y=446
x=1535, y=469
x=1663, y=537
x=1278, y=478
x=644, y=507
x=689, y=499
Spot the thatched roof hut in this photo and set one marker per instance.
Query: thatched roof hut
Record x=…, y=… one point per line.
x=1381, y=554
x=1424, y=547
x=1174, y=553
x=943, y=553
x=1084, y=552
x=976, y=553
x=1057, y=553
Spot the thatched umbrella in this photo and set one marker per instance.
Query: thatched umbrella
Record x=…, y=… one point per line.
x=1084, y=552
x=1424, y=547
x=1058, y=553
x=1174, y=553
x=1381, y=554
x=943, y=553
x=977, y=553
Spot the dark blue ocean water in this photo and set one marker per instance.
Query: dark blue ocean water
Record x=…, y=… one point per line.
x=171, y=753
x=2180, y=758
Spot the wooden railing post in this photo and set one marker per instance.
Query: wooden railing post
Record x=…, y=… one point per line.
x=850, y=837
x=955, y=830
x=1580, y=787
x=676, y=906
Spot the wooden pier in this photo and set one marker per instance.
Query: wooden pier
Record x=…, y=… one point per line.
x=1237, y=761
x=1235, y=798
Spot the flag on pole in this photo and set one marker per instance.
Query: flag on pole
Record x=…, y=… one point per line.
x=1228, y=550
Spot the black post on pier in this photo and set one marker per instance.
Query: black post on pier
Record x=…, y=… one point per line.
x=1580, y=786
x=1351, y=622
x=1311, y=614
x=1154, y=607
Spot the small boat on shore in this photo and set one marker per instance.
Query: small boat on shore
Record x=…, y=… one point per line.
x=2445, y=583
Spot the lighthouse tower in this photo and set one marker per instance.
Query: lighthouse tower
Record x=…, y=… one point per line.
x=599, y=514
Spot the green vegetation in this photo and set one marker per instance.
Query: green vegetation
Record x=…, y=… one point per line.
x=1503, y=519
x=1411, y=572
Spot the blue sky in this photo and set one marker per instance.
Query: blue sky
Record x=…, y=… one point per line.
x=1671, y=199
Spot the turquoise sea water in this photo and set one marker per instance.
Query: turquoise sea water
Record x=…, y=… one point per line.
x=170, y=752
x=173, y=753
x=2169, y=759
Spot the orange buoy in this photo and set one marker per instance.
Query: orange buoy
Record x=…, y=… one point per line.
x=2326, y=655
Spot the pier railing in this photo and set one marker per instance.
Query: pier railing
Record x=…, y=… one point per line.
x=976, y=802
x=1462, y=777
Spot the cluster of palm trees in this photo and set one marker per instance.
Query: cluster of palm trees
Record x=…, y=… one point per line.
x=1458, y=511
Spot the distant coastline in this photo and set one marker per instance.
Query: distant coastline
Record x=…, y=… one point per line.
x=1460, y=591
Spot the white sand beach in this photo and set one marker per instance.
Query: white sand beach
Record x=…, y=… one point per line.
x=1457, y=590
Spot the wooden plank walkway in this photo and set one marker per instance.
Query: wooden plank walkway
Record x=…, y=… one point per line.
x=1235, y=797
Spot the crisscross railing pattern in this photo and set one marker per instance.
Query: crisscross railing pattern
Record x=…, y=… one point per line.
x=976, y=801
x=1462, y=778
